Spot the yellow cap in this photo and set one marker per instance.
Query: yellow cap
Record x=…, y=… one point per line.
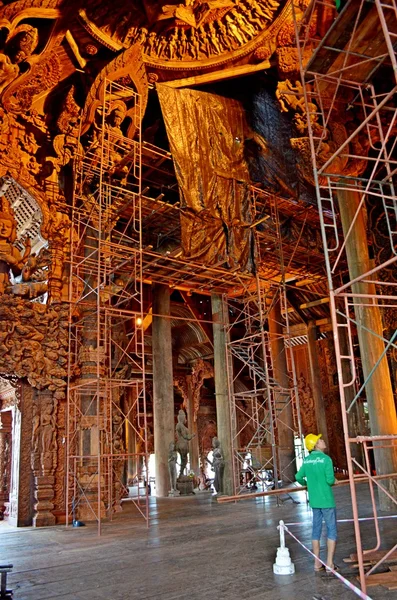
x=311, y=440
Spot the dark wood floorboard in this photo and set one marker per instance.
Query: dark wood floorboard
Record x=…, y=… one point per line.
x=195, y=549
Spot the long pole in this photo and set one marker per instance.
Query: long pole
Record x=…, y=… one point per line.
x=299, y=488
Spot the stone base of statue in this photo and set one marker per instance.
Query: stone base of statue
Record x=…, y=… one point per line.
x=174, y=493
x=185, y=485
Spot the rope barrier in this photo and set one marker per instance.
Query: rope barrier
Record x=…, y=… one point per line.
x=352, y=587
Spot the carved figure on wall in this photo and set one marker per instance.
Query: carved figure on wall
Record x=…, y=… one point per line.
x=48, y=434
x=183, y=437
x=11, y=260
x=44, y=445
x=201, y=370
x=306, y=402
x=172, y=460
x=206, y=432
x=108, y=145
x=34, y=276
x=35, y=345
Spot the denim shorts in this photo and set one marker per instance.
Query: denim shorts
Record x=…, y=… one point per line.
x=329, y=516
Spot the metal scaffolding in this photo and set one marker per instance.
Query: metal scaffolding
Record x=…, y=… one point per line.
x=263, y=390
x=106, y=408
x=347, y=72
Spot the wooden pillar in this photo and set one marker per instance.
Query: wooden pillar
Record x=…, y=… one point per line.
x=163, y=387
x=5, y=459
x=219, y=319
x=21, y=492
x=321, y=418
x=286, y=449
x=130, y=443
x=192, y=426
x=44, y=456
x=355, y=417
x=379, y=392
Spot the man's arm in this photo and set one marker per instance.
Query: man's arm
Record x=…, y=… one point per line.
x=300, y=475
x=329, y=472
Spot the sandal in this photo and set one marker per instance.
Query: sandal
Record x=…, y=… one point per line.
x=334, y=568
x=322, y=568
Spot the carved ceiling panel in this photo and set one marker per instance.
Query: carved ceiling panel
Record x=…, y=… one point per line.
x=194, y=34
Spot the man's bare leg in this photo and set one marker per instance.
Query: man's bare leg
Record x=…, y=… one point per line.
x=331, y=544
x=316, y=551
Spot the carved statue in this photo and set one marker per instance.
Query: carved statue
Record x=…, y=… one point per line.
x=48, y=433
x=11, y=259
x=183, y=437
x=234, y=31
x=172, y=460
x=218, y=465
x=246, y=29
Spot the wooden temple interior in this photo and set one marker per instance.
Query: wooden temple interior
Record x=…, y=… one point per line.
x=198, y=214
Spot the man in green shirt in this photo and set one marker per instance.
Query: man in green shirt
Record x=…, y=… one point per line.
x=317, y=472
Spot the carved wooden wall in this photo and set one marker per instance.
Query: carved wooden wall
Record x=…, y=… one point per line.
x=305, y=389
x=329, y=383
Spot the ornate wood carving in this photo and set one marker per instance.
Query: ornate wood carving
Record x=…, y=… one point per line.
x=5, y=461
x=206, y=431
x=201, y=370
x=190, y=35
x=44, y=456
x=33, y=342
x=329, y=382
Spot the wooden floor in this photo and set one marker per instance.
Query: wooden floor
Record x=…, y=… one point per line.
x=194, y=549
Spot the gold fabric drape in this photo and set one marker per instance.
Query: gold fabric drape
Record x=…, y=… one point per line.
x=206, y=134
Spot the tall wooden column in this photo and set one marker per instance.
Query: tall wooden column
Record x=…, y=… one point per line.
x=321, y=419
x=163, y=386
x=192, y=426
x=219, y=319
x=5, y=459
x=379, y=392
x=21, y=492
x=286, y=450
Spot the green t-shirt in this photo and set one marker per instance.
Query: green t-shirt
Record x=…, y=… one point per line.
x=318, y=471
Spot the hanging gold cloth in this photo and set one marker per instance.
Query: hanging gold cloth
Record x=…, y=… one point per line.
x=206, y=134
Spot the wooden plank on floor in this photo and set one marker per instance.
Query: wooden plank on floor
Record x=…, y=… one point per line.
x=372, y=556
x=386, y=579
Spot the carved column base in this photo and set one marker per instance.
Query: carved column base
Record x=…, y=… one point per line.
x=44, y=494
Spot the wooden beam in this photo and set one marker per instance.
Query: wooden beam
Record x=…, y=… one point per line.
x=314, y=303
x=205, y=328
x=218, y=75
x=294, y=302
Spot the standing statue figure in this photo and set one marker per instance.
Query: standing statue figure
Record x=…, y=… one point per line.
x=183, y=437
x=218, y=465
x=172, y=459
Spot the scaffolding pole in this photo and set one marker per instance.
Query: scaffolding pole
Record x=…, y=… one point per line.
x=358, y=172
x=106, y=406
x=264, y=408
